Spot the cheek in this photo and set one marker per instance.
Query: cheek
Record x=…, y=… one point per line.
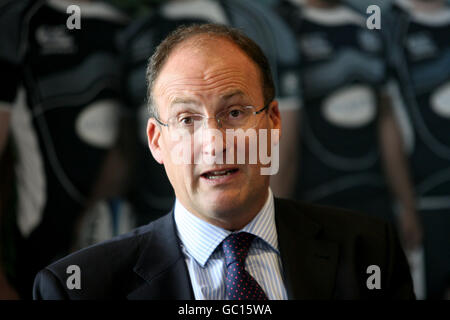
x=268, y=140
x=241, y=148
x=178, y=150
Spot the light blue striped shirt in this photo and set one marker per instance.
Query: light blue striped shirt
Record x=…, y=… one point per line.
x=201, y=245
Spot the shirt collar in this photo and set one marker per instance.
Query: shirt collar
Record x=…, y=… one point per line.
x=201, y=238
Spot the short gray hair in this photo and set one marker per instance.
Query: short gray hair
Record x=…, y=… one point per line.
x=183, y=33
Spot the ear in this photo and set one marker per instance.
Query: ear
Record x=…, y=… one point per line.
x=154, y=139
x=275, y=118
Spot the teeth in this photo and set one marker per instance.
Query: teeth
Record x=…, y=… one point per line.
x=218, y=174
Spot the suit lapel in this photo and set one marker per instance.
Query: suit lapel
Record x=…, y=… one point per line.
x=309, y=263
x=161, y=265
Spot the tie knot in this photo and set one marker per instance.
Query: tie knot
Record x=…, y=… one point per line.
x=236, y=246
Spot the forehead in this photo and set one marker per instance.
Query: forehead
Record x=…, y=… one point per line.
x=207, y=68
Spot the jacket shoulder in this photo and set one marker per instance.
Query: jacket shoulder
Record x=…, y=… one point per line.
x=106, y=252
x=335, y=222
x=103, y=270
x=361, y=241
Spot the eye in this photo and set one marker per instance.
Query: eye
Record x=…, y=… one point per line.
x=236, y=112
x=188, y=120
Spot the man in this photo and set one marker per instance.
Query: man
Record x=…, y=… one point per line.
x=225, y=217
x=421, y=55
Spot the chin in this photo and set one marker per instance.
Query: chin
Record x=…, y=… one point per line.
x=222, y=201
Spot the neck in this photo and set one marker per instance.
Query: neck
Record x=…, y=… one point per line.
x=238, y=220
x=233, y=220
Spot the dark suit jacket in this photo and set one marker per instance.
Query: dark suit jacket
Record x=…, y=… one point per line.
x=325, y=254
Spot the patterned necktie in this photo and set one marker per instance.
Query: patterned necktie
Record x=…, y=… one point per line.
x=240, y=285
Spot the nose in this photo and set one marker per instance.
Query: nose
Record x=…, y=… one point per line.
x=211, y=123
x=213, y=141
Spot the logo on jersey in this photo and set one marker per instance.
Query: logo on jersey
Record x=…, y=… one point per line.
x=350, y=107
x=369, y=41
x=440, y=100
x=97, y=124
x=420, y=46
x=53, y=39
x=316, y=46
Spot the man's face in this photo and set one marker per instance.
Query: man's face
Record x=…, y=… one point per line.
x=206, y=78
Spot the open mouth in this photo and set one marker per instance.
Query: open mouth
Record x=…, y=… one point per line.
x=217, y=174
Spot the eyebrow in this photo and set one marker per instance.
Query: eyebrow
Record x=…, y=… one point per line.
x=224, y=97
x=183, y=101
x=232, y=94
